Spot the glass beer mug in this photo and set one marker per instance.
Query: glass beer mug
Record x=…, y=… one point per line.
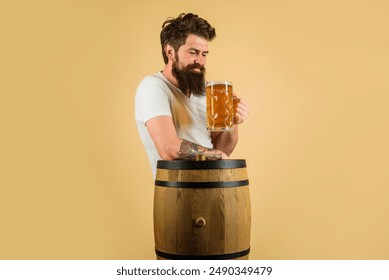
x=220, y=106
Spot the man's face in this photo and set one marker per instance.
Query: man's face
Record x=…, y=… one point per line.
x=189, y=65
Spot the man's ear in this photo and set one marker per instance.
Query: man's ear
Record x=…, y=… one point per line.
x=169, y=50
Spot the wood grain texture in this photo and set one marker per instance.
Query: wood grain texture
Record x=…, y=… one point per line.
x=226, y=211
x=202, y=175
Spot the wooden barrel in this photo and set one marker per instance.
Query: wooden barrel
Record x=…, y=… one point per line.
x=202, y=210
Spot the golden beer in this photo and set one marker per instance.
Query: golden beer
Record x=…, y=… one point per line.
x=220, y=107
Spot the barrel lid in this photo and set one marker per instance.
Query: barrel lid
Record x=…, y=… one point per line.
x=208, y=164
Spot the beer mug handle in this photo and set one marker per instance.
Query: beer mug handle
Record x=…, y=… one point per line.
x=235, y=101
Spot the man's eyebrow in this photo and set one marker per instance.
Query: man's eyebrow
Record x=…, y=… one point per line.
x=194, y=49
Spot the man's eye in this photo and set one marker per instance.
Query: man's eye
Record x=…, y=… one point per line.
x=192, y=52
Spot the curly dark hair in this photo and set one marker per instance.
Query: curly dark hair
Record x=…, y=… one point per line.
x=176, y=30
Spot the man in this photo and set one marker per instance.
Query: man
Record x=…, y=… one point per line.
x=170, y=107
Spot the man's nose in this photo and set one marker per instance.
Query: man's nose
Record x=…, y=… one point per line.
x=200, y=59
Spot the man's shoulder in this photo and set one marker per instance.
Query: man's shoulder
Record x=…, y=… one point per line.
x=152, y=88
x=156, y=78
x=158, y=83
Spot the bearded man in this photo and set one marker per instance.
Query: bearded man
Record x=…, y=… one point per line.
x=170, y=109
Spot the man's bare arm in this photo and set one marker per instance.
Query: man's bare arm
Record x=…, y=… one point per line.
x=189, y=150
x=170, y=146
x=225, y=140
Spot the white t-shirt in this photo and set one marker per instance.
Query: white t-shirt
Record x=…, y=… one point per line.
x=156, y=96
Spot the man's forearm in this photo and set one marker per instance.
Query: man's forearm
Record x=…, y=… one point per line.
x=189, y=150
x=226, y=141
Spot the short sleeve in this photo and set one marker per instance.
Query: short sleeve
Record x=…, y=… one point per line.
x=151, y=100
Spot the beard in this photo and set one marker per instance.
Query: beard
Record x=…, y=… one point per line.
x=189, y=80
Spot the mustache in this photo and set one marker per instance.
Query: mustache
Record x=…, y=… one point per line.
x=195, y=66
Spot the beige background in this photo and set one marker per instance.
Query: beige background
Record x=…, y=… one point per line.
x=75, y=180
